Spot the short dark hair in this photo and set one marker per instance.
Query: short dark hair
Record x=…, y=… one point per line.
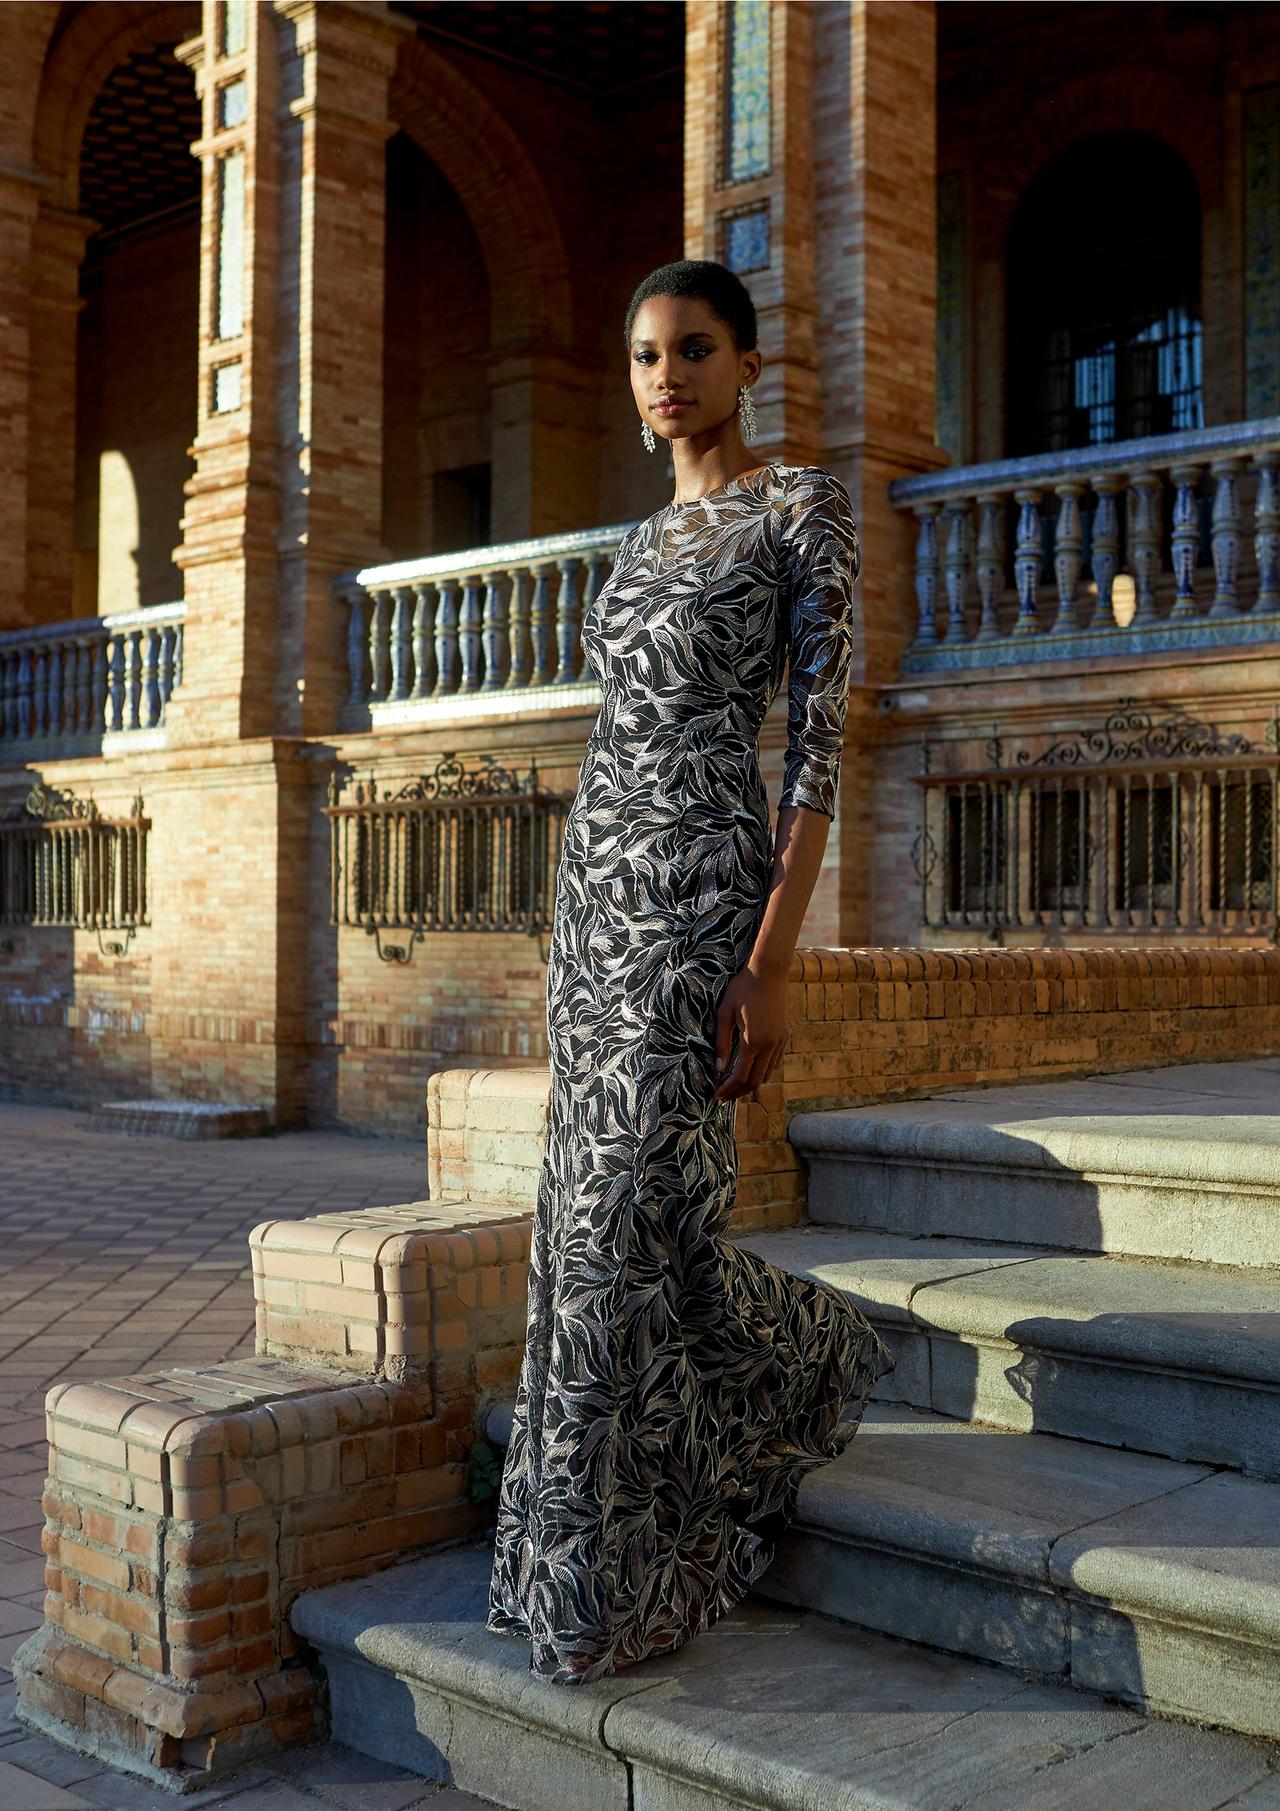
x=724, y=292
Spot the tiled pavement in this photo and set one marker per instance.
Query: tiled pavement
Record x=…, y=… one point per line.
x=120, y=1253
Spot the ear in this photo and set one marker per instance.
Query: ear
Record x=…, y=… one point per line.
x=750, y=366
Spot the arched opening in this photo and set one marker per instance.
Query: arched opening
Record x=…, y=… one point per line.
x=437, y=455
x=136, y=353
x=1104, y=298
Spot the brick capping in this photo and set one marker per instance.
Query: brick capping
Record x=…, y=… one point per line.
x=186, y=1509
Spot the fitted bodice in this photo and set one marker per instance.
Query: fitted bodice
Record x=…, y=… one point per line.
x=687, y=636
x=710, y=601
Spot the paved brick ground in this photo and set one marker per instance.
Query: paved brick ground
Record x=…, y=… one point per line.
x=119, y=1253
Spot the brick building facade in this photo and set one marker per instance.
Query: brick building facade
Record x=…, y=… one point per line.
x=318, y=436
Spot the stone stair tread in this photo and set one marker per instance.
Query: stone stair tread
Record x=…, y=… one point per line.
x=1215, y=1133
x=769, y=1710
x=883, y=1271
x=1159, y=1535
x=1210, y=1318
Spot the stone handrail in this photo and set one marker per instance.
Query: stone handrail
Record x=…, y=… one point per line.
x=506, y=617
x=95, y=676
x=1123, y=577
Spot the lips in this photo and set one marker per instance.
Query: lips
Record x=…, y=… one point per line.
x=670, y=408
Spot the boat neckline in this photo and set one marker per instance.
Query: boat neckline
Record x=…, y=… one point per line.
x=771, y=465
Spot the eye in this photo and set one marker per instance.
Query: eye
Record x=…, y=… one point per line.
x=700, y=350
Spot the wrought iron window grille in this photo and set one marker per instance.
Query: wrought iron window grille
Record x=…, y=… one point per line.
x=63, y=865
x=452, y=850
x=1133, y=824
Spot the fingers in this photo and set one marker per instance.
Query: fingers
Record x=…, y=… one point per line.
x=724, y=1033
x=751, y=1070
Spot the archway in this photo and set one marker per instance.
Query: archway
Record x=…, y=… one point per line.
x=1103, y=271
x=136, y=390
x=437, y=439
x=109, y=187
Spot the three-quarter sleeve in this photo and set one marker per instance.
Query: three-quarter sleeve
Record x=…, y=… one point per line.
x=820, y=562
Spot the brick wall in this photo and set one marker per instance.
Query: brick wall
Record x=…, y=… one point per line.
x=872, y=1025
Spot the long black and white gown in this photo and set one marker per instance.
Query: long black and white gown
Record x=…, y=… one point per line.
x=675, y=1387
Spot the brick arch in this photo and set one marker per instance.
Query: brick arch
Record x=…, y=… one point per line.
x=94, y=41
x=489, y=168
x=1154, y=102
x=29, y=26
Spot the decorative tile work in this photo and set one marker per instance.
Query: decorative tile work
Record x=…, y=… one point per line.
x=231, y=246
x=746, y=240
x=231, y=104
x=748, y=112
x=953, y=314
x=232, y=28
x=227, y=390
x=1262, y=252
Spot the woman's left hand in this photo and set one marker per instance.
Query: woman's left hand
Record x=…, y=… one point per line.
x=756, y=1005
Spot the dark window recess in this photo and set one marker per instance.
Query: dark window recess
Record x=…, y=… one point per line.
x=1240, y=846
x=1143, y=831
x=1060, y=847
x=975, y=849
x=1104, y=298
x=461, y=508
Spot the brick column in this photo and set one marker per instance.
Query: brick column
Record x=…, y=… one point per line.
x=336, y=66
x=231, y=525
x=874, y=223
x=286, y=494
x=545, y=442
x=789, y=394
x=847, y=312
x=57, y=251
x=18, y=201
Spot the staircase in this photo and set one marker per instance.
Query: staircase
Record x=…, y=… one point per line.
x=1073, y=1480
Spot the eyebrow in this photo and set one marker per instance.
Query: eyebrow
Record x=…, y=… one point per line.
x=694, y=333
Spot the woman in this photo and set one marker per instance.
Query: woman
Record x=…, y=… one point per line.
x=675, y=1387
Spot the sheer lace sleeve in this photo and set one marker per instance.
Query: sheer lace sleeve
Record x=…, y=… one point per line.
x=821, y=559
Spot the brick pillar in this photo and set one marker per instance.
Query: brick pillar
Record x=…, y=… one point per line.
x=18, y=202
x=875, y=237
x=337, y=63
x=545, y=446
x=287, y=488
x=231, y=524
x=847, y=312
x=57, y=251
x=875, y=233
x=286, y=494
x=789, y=394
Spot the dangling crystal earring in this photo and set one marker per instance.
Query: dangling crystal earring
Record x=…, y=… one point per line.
x=747, y=413
x=648, y=436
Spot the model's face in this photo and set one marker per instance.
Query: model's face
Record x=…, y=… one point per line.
x=683, y=356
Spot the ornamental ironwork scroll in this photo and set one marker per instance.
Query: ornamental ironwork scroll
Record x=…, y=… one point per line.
x=1153, y=825
x=62, y=864
x=455, y=849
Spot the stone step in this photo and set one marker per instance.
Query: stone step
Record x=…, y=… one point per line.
x=179, y=1119
x=1165, y=1163
x=1173, y=1358
x=1148, y=1580
x=768, y=1710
